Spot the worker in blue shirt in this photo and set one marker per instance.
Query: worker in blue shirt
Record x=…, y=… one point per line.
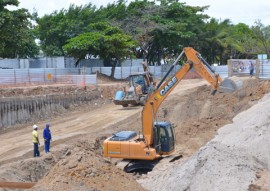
x=47, y=138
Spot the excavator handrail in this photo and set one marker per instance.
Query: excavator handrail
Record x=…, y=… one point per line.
x=165, y=87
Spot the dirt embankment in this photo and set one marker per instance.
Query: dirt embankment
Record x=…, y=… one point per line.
x=198, y=120
x=198, y=114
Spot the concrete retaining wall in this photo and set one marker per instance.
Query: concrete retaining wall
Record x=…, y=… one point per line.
x=25, y=109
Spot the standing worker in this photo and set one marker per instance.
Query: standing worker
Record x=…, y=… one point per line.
x=251, y=69
x=47, y=138
x=35, y=141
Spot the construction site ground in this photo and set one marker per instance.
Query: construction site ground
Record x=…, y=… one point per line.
x=76, y=162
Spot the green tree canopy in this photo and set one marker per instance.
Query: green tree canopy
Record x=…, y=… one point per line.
x=17, y=38
x=262, y=35
x=161, y=29
x=104, y=41
x=56, y=29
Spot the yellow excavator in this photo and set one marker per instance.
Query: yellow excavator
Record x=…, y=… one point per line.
x=158, y=138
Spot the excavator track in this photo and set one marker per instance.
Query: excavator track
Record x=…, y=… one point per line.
x=138, y=166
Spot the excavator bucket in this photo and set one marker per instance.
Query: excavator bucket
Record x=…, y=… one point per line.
x=232, y=85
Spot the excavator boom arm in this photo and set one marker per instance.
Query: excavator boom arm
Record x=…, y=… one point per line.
x=164, y=89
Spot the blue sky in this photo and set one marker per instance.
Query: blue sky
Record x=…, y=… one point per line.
x=245, y=11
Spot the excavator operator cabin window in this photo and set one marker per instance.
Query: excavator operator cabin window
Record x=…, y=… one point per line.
x=162, y=136
x=138, y=80
x=170, y=133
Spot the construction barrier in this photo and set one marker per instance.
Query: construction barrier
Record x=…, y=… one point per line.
x=18, y=77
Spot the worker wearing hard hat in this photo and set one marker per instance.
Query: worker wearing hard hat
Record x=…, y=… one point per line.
x=35, y=141
x=47, y=138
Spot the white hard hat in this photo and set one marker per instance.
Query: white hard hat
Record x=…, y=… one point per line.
x=35, y=126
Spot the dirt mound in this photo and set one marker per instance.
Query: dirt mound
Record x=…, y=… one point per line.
x=230, y=160
x=197, y=121
x=103, y=91
x=198, y=114
x=103, y=78
x=78, y=165
x=84, y=168
x=262, y=182
x=44, y=90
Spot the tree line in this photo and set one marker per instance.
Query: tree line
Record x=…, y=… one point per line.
x=152, y=30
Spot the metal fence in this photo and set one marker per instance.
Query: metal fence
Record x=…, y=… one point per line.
x=264, y=69
x=221, y=70
x=46, y=62
x=60, y=62
x=124, y=72
x=80, y=75
x=157, y=71
x=44, y=76
x=126, y=67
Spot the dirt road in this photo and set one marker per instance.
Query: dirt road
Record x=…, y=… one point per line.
x=16, y=143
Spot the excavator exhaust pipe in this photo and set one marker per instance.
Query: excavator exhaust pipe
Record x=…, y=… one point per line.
x=232, y=85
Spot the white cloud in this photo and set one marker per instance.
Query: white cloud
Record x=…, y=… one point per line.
x=237, y=10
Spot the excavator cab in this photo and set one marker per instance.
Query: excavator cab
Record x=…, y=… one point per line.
x=164, y=138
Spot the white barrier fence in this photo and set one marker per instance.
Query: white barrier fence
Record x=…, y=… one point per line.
x=158, y=71
x=44, y=76
x=88, y=75
x=78, y=75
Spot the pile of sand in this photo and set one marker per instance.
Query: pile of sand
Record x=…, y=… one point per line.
x=228, y=162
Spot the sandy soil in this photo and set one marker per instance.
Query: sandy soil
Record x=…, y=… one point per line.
x=77, y=136
x=230, y=161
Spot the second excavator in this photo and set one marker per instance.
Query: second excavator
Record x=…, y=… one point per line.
x=158, y=138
